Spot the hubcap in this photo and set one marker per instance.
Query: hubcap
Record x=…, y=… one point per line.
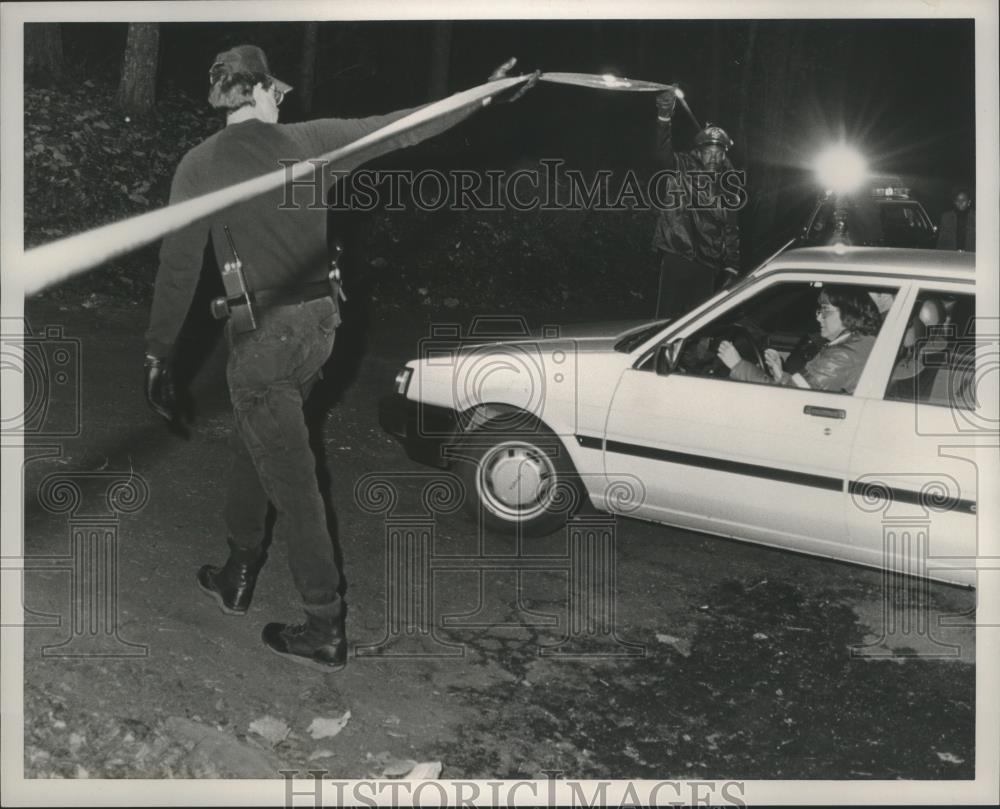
x=516, y=480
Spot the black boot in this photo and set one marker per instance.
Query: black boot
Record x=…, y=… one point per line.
x=319, y=642
x=230, y=585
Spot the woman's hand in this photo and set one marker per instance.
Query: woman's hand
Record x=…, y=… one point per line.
x=728, y=354
x=773, y=360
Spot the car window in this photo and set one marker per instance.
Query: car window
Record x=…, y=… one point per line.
x=857, y=217
x=903, y=222
x=935, y=360
x=887, y=223
x=787, y=335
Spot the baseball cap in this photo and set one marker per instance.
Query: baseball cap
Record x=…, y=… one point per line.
x=248, y=59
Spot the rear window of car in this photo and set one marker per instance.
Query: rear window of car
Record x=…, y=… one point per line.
x=936, y=359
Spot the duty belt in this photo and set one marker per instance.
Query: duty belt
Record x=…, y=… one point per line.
x=310, y=291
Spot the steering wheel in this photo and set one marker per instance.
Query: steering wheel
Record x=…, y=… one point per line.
x=734, y=332
x=700, y=356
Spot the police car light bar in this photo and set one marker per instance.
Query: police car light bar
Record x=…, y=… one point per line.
x=894, y=191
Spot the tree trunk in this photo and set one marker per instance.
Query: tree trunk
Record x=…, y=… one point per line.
x=43, y=51
x=307, y=69
x=137, y=91
x=437, y=85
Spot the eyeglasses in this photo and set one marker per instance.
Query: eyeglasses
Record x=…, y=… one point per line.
x=277, y=95
x=826, y=311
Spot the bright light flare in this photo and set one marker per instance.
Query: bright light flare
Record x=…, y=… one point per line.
x=611, y=80
x=679, y=93
x=841, y=169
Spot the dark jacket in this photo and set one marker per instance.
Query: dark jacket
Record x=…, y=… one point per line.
x=708, y=237
x=837, y=368
x=948, y=232
x=280, y=235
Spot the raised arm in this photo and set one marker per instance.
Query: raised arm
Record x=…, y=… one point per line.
x=666, y=102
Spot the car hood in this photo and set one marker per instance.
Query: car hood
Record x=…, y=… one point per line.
x=591, y=336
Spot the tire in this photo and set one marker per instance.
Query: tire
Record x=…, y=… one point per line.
x=518, y=477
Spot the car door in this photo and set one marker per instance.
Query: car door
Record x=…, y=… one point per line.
x=913, y=474
x=754, y=461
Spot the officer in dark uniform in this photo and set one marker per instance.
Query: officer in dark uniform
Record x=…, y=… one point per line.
x=273, y=366
x=698, y=247
x=957, y=230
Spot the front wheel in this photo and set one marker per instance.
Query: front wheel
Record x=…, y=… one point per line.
x=519, y=479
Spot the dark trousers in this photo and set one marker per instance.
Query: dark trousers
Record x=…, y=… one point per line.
x=271, y=371
x=683, y=285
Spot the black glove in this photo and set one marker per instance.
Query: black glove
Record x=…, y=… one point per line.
x=665, y=103
x=501, y=73
x=161, y=391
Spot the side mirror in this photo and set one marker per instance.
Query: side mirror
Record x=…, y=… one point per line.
x=667, y=356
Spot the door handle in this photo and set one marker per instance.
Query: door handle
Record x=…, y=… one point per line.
x=824, y=412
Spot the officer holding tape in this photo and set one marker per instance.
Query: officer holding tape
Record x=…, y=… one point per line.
x=282, y=315
x=698, y=246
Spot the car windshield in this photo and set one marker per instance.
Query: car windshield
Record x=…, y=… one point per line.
x=636, y=338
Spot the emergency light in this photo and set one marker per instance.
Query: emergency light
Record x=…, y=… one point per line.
x=840, y=169
x=891, y=191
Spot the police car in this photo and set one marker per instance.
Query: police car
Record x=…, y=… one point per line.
x=887, y=216
x=644, y=420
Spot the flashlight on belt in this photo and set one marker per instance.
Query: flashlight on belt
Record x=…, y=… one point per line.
x=336, y=287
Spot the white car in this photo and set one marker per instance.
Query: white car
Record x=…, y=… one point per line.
x=646, y=420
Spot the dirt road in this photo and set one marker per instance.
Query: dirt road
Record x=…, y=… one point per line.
x=725, y=660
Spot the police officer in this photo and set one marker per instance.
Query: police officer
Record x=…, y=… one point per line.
x=272, y=368
x=697, y=244
x=957, y=230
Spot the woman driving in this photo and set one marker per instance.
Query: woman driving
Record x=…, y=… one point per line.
x=848, y=321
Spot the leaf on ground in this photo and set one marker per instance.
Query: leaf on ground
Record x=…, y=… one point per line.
x=271, y=729
x=322, y=728
x=681, y=645
x=425, y=771
x=398, y=767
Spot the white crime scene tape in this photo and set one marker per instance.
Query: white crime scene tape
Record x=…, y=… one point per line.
x=57, y=261
x=605, y=81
